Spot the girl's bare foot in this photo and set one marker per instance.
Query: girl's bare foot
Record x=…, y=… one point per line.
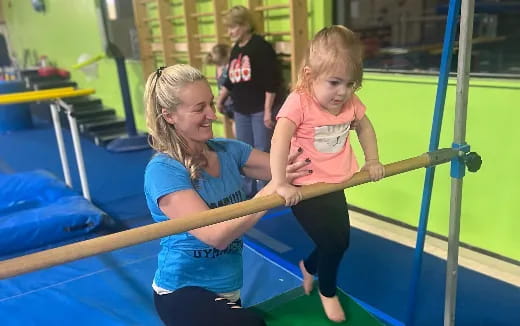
x=333, y=308
x=308, y=279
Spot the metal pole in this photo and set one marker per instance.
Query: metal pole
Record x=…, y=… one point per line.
x=77, y=150
x=440, y=99
x=61, y=144
x=125, y=94
x=457, y=172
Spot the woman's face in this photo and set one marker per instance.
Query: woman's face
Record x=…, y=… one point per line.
x=238, y=33
x=193, y=118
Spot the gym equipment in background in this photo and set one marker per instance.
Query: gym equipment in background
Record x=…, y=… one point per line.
x=115, y=44
x=15, y=116
x=132, y=140
x=56, y=97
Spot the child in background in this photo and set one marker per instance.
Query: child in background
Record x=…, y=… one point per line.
x=317, y=117
x=219, y=56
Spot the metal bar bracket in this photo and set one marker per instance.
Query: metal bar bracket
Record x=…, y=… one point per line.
x=458, y=163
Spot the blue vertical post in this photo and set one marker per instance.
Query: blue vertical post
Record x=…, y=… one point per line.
x=440, y=98
x=125, y=94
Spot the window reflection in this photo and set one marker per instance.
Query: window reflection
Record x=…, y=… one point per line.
x=408, y=34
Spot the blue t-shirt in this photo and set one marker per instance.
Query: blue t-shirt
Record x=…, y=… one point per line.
x=184, y=260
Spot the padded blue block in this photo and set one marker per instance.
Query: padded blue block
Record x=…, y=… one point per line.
x=14, y=116
x=29, y=190
x=37, y=210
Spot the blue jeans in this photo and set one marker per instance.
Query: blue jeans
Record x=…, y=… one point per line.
x=250, y=129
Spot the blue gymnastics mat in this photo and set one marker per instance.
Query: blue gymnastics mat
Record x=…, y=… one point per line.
x=38, y=210
x=115, y=179
x=115, y=289
x=377, y=271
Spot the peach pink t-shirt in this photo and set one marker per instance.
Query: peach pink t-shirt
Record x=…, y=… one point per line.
x=323, y=136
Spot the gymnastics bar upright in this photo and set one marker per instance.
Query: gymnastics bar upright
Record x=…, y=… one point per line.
x=457, y=166
x=55, y=96
x=438, y=112
x=457, y=170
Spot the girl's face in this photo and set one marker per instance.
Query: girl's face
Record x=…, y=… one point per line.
x=238, y=33
x=333, y=89
x=218, y=58
x=193, y=118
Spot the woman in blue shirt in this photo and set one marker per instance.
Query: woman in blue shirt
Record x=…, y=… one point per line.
x=199, y=273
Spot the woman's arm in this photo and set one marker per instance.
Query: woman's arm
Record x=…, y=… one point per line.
x=268, y=109
x=222, y=96
x=220, y=235
x=258, y=166
x=268, y=72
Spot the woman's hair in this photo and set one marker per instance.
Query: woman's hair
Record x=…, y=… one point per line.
x=331, y=46
x=162, y=92
x=239, y=15
x=219, y=54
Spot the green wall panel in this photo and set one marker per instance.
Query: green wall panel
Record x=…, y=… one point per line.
x=401, y=108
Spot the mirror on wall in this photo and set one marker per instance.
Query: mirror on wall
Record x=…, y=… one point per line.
x=407, y=35
x=118, y=27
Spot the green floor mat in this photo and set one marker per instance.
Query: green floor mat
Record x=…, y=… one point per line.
x=294, y=308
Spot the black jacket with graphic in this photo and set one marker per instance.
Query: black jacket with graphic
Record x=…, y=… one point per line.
x=253, y=70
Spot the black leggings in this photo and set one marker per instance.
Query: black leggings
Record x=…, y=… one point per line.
x=195, y=306
x=325, y=219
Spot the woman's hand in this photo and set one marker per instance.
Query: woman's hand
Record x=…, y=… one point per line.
x=220, y=107
x=268, y=122
x=296, y=168
x=222, y=96
x=375, y=169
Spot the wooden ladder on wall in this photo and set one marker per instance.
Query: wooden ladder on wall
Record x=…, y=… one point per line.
x=163, y=27
x=292, y=47
x=159, y=41
x=202, y=41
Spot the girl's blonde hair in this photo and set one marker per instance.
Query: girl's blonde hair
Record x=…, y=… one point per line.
x=219, y=54
x=330, y=46
x=239, y=15
x=162, y=92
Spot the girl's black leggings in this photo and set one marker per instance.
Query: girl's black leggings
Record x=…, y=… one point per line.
x=195, y=306
x=325, y=219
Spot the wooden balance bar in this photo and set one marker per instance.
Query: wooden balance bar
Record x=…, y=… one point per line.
x=91, y=247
